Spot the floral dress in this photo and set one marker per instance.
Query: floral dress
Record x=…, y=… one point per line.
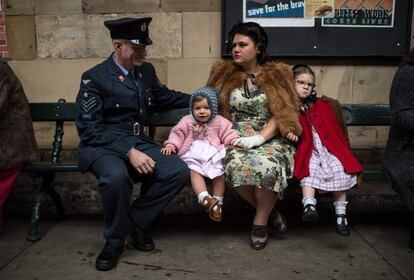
x=267, y=166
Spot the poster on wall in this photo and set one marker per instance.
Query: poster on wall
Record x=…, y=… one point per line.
x=319, y=8
x=277, y=13
x=362, y=13
x=380, y=28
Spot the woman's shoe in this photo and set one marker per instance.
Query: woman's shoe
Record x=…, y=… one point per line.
x=261, y=232
x=277, y=221
x=309, y=213
x=342, y=228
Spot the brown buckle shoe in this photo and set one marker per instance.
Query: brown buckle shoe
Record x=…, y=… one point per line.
x=208, y=203
x=215, y=212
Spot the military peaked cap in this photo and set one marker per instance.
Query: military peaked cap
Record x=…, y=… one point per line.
x=132, y=29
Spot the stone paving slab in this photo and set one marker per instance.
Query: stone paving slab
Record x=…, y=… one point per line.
x=193, y=247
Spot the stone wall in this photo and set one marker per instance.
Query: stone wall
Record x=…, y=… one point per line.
x=62, y=39
x=52, y=42
x=3, y=35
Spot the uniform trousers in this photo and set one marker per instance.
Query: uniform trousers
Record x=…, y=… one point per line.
x=116, y=178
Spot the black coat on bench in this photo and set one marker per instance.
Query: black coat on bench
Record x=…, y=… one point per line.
x=111, y=109
x=399, y=160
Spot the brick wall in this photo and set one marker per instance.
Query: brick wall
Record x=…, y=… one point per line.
x=3, y=38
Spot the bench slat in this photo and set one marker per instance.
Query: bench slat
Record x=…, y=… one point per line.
x=367, y=114
x=49, y=112
x=166, y=118
x=49, y=167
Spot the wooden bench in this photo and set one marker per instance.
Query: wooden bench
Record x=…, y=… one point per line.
x=61, y=112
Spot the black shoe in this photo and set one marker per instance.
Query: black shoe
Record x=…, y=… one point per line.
x=343, y=228
x=140, y=240
x=261, y=232
x=108, y=258
x=274, y=223
x=309, y=213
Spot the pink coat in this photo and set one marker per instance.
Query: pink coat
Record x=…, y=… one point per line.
x=219, y=134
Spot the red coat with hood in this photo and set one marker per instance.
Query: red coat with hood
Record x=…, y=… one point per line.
x=332, y=137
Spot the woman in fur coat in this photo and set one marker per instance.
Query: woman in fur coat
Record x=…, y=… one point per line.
x=17, y=141
x=259, y=98
x=399, y=158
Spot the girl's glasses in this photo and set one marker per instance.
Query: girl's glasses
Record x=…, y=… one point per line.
x=303, y=83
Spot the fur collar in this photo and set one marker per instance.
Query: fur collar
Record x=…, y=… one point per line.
x=275, y=79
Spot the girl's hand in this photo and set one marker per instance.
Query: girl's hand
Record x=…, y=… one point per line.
x=168, y=149
x=292, y=137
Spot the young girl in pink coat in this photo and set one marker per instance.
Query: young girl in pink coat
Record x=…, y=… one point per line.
x=199, y=139
x=323, y=159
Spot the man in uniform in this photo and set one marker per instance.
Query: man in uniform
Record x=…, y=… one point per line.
x=112, y=105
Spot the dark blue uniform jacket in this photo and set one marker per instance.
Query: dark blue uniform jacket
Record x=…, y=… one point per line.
x=111, y=109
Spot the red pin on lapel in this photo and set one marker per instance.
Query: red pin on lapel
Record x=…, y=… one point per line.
x=121, y=78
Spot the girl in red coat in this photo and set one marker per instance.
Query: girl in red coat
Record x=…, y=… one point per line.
x=323, y=159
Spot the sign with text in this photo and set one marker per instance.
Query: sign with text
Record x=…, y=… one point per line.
x=380, y=28
x=362, y=13
x=276, y=13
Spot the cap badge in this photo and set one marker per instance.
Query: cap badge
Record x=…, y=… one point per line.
x=143, y=27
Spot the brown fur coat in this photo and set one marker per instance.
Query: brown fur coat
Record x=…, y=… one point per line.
x=17, y=140
x=275, y=79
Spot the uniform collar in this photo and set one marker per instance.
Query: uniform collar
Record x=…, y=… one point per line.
x=125, y=71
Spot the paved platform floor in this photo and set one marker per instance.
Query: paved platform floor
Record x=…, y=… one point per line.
x=193, y=247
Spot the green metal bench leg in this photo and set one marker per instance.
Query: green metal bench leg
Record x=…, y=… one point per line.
x=34, y=235
x=46, y=188
x=50, y=190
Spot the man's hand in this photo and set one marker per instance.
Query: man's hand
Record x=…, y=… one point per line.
x=168, y=149
x=292, y=137
x=250, y=141
x=141, y=162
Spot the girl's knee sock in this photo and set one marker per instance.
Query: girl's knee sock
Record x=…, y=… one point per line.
x=202, y=195
x=340, y=209
x=309, y=200
x=219, y=198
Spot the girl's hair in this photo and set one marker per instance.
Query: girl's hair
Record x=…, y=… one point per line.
x=197, y=99
x=300, y=69
x=255, y=32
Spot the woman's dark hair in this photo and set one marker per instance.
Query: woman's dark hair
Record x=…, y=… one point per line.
x=255, y=32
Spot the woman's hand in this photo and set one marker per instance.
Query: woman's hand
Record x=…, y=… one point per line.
x=250, y=141
x=168, y=150
x=292, y=137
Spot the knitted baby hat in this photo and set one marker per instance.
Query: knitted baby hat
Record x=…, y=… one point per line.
x=212, y=96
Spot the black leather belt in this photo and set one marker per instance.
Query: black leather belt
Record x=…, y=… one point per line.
x=135, y=128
